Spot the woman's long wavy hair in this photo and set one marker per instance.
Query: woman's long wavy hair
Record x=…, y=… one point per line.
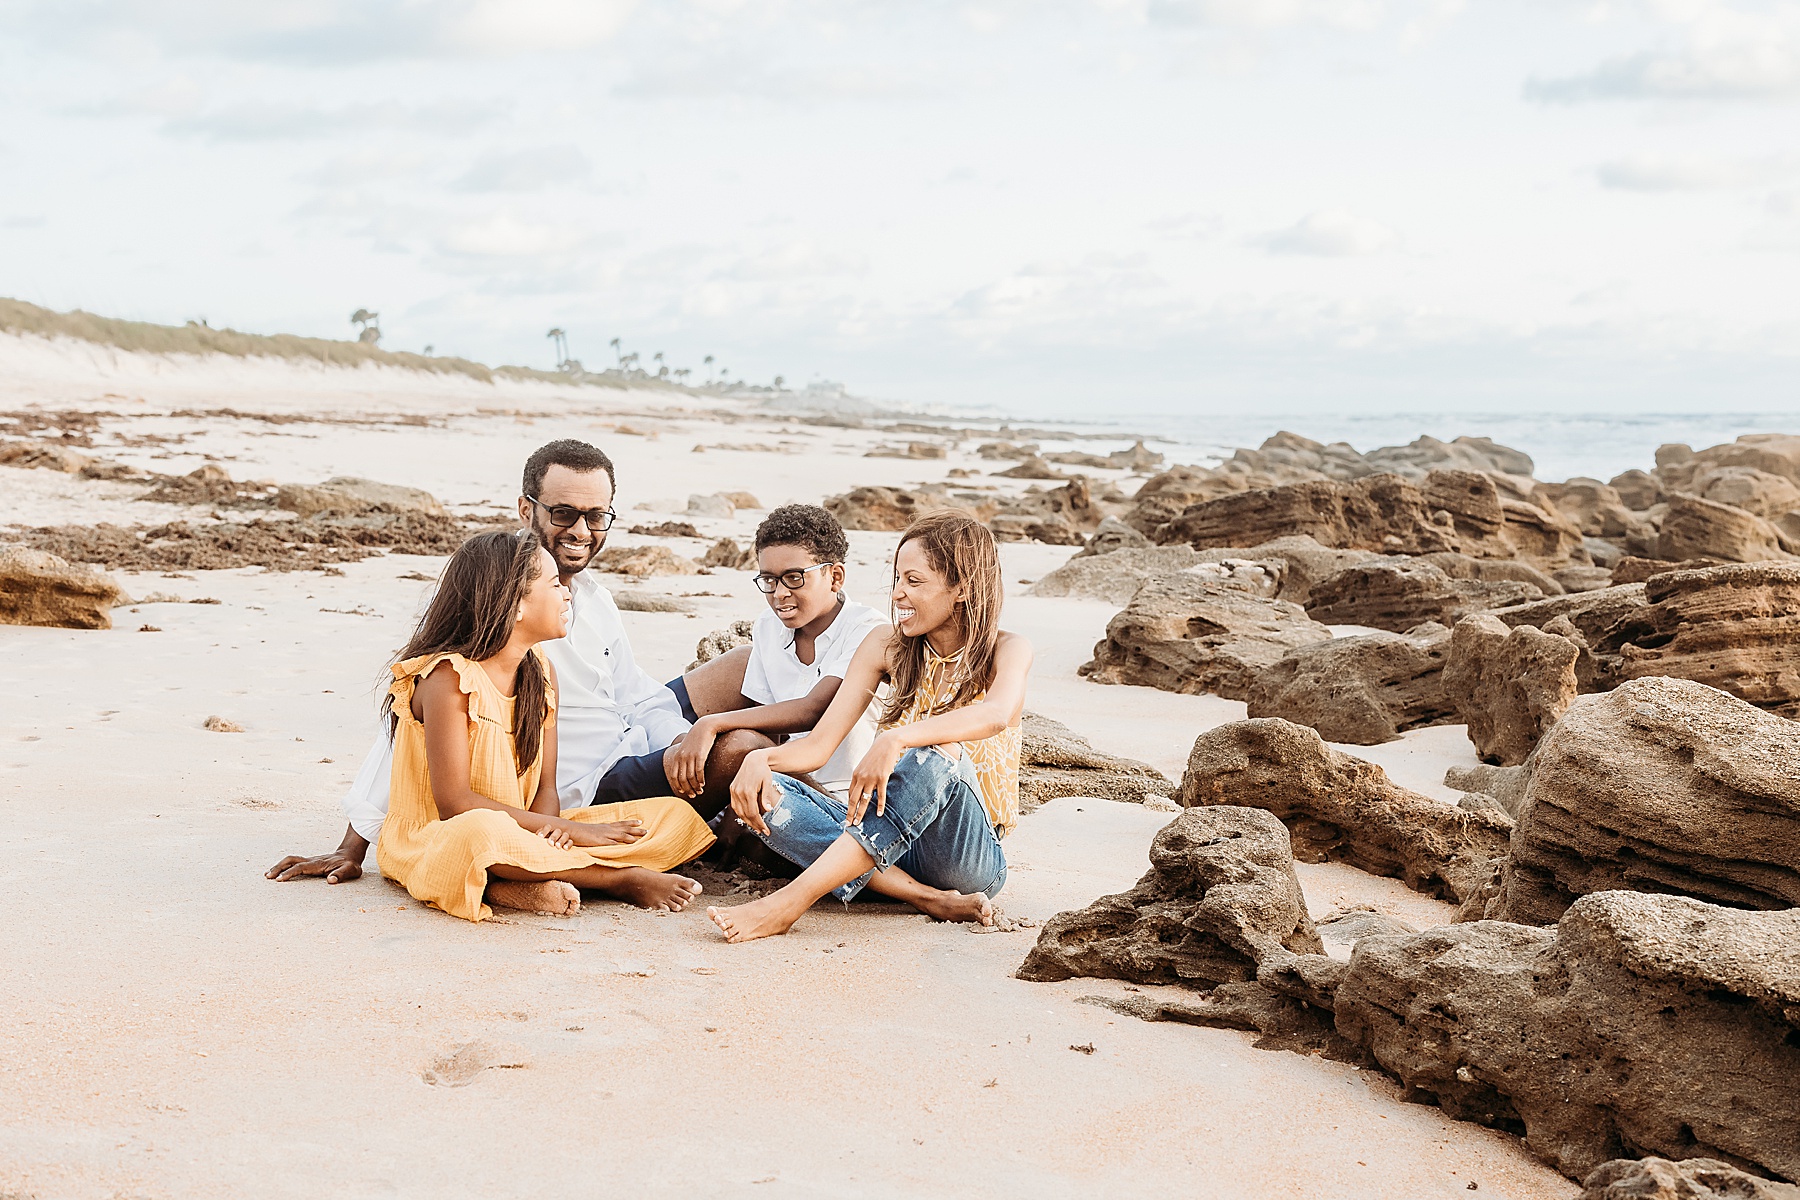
x=472, y=614
x=962, y=550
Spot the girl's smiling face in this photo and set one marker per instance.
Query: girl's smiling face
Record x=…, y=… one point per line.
x=544, y=612
x=923, y=598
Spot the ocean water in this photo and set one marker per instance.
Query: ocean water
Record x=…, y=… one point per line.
x=1561, y=444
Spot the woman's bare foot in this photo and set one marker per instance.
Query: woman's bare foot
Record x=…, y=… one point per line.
x=551, y=897
x=772, y=915
x=953, y=906
x=650, y=889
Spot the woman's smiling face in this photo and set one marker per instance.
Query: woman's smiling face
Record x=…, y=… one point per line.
x=923, y=598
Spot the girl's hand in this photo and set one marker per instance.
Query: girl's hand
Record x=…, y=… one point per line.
x=870, y=779
x=607, y=833
x=754, y=792
x=557, y=836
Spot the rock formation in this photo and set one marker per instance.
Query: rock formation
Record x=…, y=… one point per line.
x=1508, y=684
x=1663, y=785
x=1696, y=528
x=1220, y=897
x=1398, y=593
x=1116, y=576
x=1342, y=809
x=1361, y=690
x=1734, y=627
x=883, y=509
x=721, y=641
x=1185, y=633
x=348, y=496
x=41, y=589
x=1056, y=761
x=642, y=562
x=1642, y=1023
x=1689, y=1179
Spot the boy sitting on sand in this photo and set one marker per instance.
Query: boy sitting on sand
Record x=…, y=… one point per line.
x=799, y=649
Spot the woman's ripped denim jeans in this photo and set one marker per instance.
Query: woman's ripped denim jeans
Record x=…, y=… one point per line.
x=933, y=827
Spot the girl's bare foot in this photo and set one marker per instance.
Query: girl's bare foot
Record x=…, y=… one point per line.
x=767, y=917
x=650, y=889
x=551, y=897
x=953, y=906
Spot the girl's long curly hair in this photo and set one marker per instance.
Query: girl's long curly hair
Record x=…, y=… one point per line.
x=962, y=550
x=472, y=614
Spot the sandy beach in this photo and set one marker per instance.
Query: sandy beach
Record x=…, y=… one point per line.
x=185, y=1028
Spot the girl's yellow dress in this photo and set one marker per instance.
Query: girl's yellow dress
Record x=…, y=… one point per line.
x=445, y=863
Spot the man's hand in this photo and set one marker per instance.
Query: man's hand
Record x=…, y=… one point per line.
x=685, y=760
x=340, y=866
x=754, y=792
x=870, y=779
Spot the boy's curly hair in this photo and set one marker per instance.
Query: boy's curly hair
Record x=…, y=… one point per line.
x=807, y=526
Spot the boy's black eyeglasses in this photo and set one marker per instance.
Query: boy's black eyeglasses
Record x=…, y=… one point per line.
x=793, y=581
x=564, y=517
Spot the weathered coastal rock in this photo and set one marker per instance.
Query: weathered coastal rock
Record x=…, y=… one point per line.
x=1398, y=593
x=1641, y=1023
x=348, y=496
x=1220, y=897
x=1055, y=761
x=1662, y=785
x=1689, y=1179
x=883, y=509
x=1113, y=534
x=1116, y=576
x=1734, y=627
x=1186, y=633
x=1362, y=690
x=1508, y=684
x=1605, y=619
x=1697, y=528
x=1343, y=809
x=37, y=588
x=1382, y=513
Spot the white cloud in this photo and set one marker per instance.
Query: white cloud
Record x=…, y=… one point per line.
x=1330, y=233
x=1267, y=14
x=1666, y=173
x=1723, y=51
x=502, y=237
x=526, y=170
x=280, y=121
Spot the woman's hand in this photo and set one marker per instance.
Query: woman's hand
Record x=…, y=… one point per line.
x=870, y=779
x=604, y=833
x=754, y=792
x=685, y=761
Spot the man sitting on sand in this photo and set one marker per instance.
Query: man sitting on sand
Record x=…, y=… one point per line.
x=615, y=721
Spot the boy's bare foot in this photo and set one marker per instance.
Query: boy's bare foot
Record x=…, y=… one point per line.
x=550, y=897
x=650, y=889
x=953, y=906
x=772, y=915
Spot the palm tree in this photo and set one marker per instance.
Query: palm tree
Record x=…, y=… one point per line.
x=617, y=351
x=778, y=383
x=367, y=329
x=561, y=340
x=681, y=374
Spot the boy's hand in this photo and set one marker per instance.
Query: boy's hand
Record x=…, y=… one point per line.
x=684, y=763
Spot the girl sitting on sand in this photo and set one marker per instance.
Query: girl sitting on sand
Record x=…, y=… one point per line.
x=931, y=799
x=473, y=716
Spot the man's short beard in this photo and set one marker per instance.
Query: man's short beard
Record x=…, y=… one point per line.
x=547, y=533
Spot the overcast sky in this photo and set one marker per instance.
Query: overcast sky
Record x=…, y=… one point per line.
x=1073, y=206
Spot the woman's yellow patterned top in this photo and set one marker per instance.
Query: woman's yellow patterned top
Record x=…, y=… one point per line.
x=995, y=759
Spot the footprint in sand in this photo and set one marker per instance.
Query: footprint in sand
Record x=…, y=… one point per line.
x=464, y=1063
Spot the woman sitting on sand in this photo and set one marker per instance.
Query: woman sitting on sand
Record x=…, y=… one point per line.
x=473, y=717
x=943, y=773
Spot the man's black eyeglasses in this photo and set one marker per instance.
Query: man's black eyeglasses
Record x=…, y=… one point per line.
x=793, y=581
x=564, y=517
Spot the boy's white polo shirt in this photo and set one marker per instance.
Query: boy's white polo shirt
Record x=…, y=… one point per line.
x=776, y=674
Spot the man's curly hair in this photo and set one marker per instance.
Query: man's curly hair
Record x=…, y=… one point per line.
x=807, y=526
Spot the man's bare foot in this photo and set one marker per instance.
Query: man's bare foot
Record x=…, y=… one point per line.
x=650, y=889
x=550, y=897
x=770, y=916
x=953, y=906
